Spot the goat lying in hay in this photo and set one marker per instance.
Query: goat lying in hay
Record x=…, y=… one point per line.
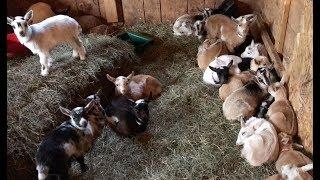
x=33, y=99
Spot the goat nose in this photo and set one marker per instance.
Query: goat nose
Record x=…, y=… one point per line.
x=21, y=33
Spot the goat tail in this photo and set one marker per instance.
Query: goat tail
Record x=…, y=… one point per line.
x=42, y=172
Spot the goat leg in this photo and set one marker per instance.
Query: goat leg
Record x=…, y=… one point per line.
x=83, y=166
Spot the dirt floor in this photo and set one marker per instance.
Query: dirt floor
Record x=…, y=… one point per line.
x=188, y=137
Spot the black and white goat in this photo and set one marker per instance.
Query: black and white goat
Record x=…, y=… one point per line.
x=127, y=117
x=71, y=140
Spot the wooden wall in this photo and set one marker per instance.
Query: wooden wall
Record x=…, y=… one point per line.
x=291, y=26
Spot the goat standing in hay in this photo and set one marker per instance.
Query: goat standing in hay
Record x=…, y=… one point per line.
x=230, y=30
x=137, y=87
x=71, y=140
x=259, y=140
x=126, y=117
x=42, y=37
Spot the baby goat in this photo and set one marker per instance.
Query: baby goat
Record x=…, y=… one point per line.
x=254, y=50
x=211, y=74
x=288, y=155
x=184, y=25
x=243, y=102
x=127, y=117
x=259, y=140
x=280, y=112
x=232, y=31
x=40, y=38
x=137, y=87
x=71, y=140
x=236, y=81
x=208, y=51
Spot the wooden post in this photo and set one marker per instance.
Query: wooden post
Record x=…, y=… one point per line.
x=108, y=10
x=279, y=43
x=274, y=57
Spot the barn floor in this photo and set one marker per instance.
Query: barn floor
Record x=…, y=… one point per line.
x=188, y=137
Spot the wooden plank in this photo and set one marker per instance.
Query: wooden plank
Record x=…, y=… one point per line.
x=152, y=11
x=111, y=13
x=212, y=3
x=102, y=9
x=171, y=10
x=282, y=26
x=193, y=6
x=133, y=11
x=274, y=57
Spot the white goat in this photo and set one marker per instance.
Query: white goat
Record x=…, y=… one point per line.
x=259, y=140
x=254, y=50
x=211, y=77
x=40, y=38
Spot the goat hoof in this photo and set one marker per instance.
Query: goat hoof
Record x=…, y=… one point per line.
x=44, y=73
x=83, y=58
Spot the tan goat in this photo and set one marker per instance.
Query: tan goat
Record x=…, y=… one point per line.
x=137, y=87
x=258, y=62
x=243, y=102
x=208, y=51
x=236, y=81
x=288, y=155
x=280, y=112
x=41, y=11
x=232, y=31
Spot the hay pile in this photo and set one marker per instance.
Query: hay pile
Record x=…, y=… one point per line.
x=33, y=100
x=188, y=137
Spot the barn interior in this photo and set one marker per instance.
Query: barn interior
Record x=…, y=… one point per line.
x=187, y=137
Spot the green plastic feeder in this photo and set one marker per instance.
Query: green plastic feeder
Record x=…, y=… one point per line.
x=139, y=41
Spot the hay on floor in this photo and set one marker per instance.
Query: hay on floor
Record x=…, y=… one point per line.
x=187, y=138
x=33, y=100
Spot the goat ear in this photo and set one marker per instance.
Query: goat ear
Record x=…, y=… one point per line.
x=213, y=69
x=252, y=18
x=28, y=16
x=130, y=75
x=110, y=78
x=242, y=122
x=234, y=19
x=230, y=64
x=9, y=20
x=285, y=140
x=252, y=43
x=65, y=111
x=89, y=105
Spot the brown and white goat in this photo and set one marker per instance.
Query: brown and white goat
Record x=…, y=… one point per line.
x=243, y=102
x=208, y=51
x=258, y=62
x=137, y=87
x=288, y=155
x=280, y=112
x=236, y=81
x=232, y=31
x=292, y=172
x=254, y=50
x=259, y=140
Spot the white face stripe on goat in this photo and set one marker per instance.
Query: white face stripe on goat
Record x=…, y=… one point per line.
x=121, y=84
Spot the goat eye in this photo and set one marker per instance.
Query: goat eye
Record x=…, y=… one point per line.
x=243, y=133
